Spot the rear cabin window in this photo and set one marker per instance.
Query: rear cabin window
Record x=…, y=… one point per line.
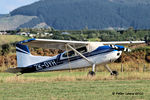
x=72, y=53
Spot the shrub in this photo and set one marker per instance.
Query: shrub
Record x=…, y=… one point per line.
x=147, y=57
x=5, y=49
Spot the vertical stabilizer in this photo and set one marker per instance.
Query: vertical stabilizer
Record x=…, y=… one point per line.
x=23, y=55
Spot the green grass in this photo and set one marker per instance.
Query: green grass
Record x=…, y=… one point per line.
x=66, y=85
x=7, y=39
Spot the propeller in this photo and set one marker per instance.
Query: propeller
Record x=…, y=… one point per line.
x=113, y=46
x=120, y=48
x=127, y=50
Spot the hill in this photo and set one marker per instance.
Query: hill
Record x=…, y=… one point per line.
x=8, y=22
x=94, y=14
x=79, y=14
x=12, y=22
x=1, y=15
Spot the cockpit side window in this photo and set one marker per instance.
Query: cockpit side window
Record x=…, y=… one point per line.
x=72, y=53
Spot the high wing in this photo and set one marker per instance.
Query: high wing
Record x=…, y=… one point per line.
x=53, y=44
x=61, y=44
x=123, y=42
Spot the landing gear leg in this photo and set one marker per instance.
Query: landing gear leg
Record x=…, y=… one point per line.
x=115, y=73
x=92, y=73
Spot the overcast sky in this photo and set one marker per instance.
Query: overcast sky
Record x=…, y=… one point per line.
x=8, y=5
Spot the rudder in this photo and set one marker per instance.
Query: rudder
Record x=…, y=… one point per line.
x=23, y=55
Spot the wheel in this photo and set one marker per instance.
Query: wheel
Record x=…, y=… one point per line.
x=114, y=73
x=92, y=73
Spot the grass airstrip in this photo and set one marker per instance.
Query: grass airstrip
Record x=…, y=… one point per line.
x=73, y=85
x=132, y=84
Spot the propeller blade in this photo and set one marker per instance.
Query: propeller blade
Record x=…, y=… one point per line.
x=127, y=50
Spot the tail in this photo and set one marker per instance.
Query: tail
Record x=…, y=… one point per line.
x=24, y=57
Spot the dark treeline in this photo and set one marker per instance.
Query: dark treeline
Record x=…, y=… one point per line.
x=90, y=35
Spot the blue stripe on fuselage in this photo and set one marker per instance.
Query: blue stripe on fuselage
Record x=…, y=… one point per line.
x=101, y=48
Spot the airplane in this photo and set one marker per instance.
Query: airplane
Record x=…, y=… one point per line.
x=77, y=54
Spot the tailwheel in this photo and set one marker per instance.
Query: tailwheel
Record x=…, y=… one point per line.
x=91, y=73
x=115, y=73
x=18, y=74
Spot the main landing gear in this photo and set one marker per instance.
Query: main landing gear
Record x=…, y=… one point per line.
x=92, y=73
x=114, y=73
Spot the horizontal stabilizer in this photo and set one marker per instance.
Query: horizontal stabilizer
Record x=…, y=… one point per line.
x=15, y=70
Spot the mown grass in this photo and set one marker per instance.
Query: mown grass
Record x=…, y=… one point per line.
x=65, y=85
x=71, y=76
x=89, y=90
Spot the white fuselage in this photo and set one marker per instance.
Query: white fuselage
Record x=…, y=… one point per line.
x=80, y=63
x=67, y=60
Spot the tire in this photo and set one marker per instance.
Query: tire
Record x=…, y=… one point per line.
x=115, y=73
x=91, y=73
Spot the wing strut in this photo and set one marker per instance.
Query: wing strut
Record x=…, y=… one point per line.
x=80, y=54
x=90, y=62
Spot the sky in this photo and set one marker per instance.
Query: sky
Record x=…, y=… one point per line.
x=7, y=6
